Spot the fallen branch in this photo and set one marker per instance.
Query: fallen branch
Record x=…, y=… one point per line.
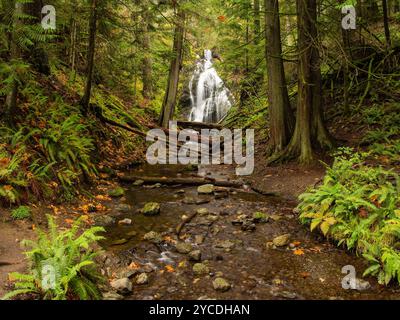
x=193, y=181
x=179, y=228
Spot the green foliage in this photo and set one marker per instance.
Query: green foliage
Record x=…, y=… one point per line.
x=21, y=213
x=358, y=206
x=69, y=258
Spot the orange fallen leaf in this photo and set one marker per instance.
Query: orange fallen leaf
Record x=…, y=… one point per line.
x=305, y=274
x=169, y=269
x=69, y=221
x=296, y=243
x=298, y=252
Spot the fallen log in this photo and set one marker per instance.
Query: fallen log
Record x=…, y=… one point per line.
x=199, y=125
x=193, y=181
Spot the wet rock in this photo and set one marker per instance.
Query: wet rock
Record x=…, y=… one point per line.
x=112, y=296
x=119, y=242
x=104, y=221
x=153, y=237
x=221, y=194
x=155, y=186
x=192, y=200
x=142, y=279
x=225, y=244
x=122, y=286
x=270, y=245
x=212, y=218
x=138, y=183
x=260, y=217
x=220, y=284
x=183, y=247
x=362, y=285
x=182, y=191
x=248, y=226
x=282, y=240
x=117, y=192
x=124, y=208
x=202, y=211
x=199, y=239
x=276, y=217
x=200, y=269
x=286, y=295
x=206, y=189
x=195, y=255
x=125, y=222
x=151, y=209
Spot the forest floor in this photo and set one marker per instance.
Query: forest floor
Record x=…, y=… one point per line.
x=304, y=266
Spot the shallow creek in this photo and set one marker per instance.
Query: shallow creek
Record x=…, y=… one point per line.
x=308, y=267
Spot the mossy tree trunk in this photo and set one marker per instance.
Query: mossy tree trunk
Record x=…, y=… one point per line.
x=171, y=93
x=280, y=113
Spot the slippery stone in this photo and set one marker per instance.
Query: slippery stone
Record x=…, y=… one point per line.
x=151, y=209
x=195, y=255
x=282, y=240
x=117, y=192
x=126, y=222
x=202, y=211
x=225, y=244
x=200, y=269
x=123, y=286
x=123, y=208
x=205, y=189
x=104, y=221
x=153, y=237
x=142, y=279
x=220, y=284
x=183, y=247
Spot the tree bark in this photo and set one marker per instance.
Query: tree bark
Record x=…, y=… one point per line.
x=386, y=23
x=280, y=114
x=309, y=123
x=15, y=54
x=257, y=21
x=90, y=56
x=146, y=61
x=173, y=78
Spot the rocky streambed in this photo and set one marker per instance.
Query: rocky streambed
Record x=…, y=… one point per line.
x=207, y=242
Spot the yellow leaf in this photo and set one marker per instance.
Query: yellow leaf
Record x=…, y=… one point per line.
x=325, y=227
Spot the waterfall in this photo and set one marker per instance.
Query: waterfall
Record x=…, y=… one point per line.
x=210, y=98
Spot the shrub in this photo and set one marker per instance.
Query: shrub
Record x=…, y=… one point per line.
x=359, y=206
x=61, y=265
x=21, y=213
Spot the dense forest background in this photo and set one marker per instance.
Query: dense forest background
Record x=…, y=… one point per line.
x=77, y=101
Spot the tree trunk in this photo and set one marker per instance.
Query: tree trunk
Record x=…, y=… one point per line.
x=146, y=61
x=257, y=21
x=280, y=114
x=90, y=56
x=173, y=78
x=15, y=53
x=386, y=23
x=309, y=123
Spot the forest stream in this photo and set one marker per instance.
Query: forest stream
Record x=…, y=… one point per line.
x=226, y=241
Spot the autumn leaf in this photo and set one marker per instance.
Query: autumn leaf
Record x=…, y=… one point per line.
x=305, y=274
x=169, y=269
x=222, y=18
x=298, y=252
x=363, y=213
x=69, y=221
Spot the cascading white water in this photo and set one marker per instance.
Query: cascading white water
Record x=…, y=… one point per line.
x=210, y=99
